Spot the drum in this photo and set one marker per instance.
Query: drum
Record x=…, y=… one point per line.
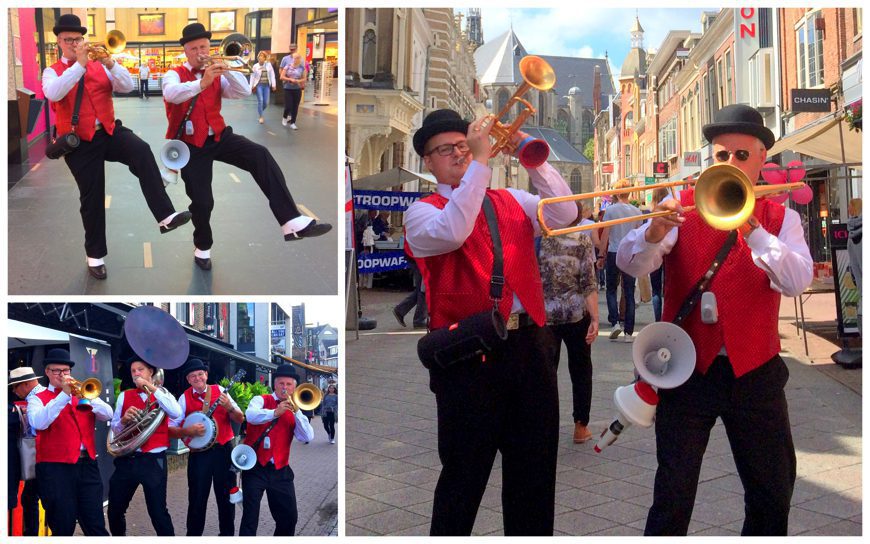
x=204, y=442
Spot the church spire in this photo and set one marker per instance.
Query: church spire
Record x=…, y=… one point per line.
x=636, y=33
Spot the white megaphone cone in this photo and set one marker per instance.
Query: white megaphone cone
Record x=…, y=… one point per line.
x=636, y=404
x=243, y=457
x=664, y=355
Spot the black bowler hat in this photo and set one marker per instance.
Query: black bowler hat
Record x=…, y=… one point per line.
x=135, y=358
x=435, y=123
x=740, y=119
x=58, y=356
x=193, y=365
x=285, y=371
x=69, y=23
x=194, y=31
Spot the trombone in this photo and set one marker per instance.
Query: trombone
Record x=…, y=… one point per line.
x=724, y=198
x=235, y=48
x=115, y=43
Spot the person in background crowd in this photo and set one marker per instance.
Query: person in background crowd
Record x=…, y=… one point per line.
x=293, y=74
x=571, y=299
x=262, y=81
x=853, y=246
x=329, y=411
x=24, y=383
x=415, y=299
x=656, y=276
x=144, y=74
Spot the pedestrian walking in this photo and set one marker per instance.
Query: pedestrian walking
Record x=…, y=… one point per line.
x=329, y=411
x=144, y=74
x=610, y=238
x=293, y=74
x=416, y=299
x=656, y=277
x=262, y=81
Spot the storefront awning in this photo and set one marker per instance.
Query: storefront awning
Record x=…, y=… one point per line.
x=391, y=178
x=822, y=141
x=22, y=334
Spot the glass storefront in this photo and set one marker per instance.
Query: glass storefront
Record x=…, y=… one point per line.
x=245, y=328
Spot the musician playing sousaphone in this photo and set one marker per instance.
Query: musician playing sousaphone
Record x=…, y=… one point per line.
x=208, y=467
x=146, y=464
x=739, y=375
x=209, y=139
x=67, y=475
x=103, y=137
x=272, y=473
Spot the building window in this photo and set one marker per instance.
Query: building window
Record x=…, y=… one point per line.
x=245, y=328
x=575, y=181
x=811, y=69
x=668, y=139
x=369, y=54
x=502, y=100
x=728, y=90
x=628, y=169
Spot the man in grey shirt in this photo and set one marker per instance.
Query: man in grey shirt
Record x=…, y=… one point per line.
x=610, y=238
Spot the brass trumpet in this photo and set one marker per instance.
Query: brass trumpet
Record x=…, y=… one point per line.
x=115, y=43
x=724, y=198
x=85, y=391
x=538, y=74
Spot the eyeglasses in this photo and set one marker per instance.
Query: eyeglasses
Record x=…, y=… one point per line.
x=447, y=149
x=58, y=371
x=70, y=41
x=725, y=155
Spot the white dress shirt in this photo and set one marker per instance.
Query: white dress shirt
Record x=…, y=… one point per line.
x=233, y=85
x=257, y=415
x=55, y=87
x=430, y=231
x=42, y=416
x=164, y=399
x=785, y=259
x=182, y=403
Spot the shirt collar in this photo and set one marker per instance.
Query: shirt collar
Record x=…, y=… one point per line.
x=444, y=190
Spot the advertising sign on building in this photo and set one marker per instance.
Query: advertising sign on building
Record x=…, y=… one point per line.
x=298, y=313
x=660, y=169
x=845, y=289
x=818, y=100
x=607, y=168
x=279, y=338
x=692, y=159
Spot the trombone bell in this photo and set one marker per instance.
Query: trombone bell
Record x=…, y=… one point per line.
x=307, y=396
x=724, y=196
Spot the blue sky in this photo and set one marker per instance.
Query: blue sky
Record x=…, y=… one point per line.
x=586, y=31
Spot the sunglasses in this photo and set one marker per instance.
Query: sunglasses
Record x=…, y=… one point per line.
x=447, y=149
x=724, y=155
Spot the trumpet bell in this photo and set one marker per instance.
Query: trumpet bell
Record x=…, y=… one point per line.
x=307, y=396
x=724, y=196
x=115, y=42
x=537, y=72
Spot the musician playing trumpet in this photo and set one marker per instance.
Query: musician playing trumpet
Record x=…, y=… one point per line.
x=210, y=467
x=272, y=472
x=67, y=475
x=146, y=466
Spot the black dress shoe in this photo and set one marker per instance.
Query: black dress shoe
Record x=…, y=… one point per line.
x=203, y=264
x=399, y=317
x=177, y=221
x=313, y=229
x=98, y=272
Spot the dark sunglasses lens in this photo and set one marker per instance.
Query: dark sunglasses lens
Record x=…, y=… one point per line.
x=741, y=154
x=722, y=156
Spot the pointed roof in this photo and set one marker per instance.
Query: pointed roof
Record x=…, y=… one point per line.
x=497, y=60
x=636, y=27
x=634, y=64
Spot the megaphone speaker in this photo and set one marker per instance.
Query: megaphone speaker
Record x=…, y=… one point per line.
x=175, y=154
x=243, y=457
x=664, y=355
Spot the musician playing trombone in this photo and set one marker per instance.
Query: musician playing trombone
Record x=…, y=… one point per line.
x=210, y=467
x=103, y=138
x=739, y=375
x=144, y=465
x=272, y=473
x=67, y=475
x=209, y=139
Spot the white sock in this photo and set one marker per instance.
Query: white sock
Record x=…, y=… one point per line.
x=167, y=220
x=297, y=224
x=202, y=253
x=95, y=262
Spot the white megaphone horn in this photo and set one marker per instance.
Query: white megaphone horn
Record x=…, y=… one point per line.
x=636, y=405
x=175, y=154
x=664, y=355
x=243, y=457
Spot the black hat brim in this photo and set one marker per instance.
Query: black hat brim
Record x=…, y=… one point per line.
x=64, y=28
x=22, y=379
x=433, y=129
x=752, y=129
x=196, y=36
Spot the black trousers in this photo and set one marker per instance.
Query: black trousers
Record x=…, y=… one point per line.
x=87, y=164
x=242, y=153
x=507, y=403
x=70, y=493
x=329, y=423
x=205, y=470
x=579, y=364
x=415, y=299
x=150, y=471
x=30, y=508
x=755, y=413
x=292, y=99
x=280, y=492
x=143, y=88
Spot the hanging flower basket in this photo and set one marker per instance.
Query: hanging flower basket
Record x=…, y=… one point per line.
x=853, y=115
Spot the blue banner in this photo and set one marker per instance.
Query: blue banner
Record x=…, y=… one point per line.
x=384, y=200
x=382, y=261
